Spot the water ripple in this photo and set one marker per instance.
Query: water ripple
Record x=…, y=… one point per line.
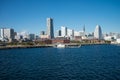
x=98, y=62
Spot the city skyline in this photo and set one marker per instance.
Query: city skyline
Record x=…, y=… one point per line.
x=31, y=15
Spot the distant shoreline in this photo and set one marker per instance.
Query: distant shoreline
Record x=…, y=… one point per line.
x=40, y=46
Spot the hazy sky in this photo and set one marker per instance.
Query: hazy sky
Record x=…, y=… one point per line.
x=30, y=15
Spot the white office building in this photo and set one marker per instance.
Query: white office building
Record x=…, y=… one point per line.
x=70, y=33
x=7, y=34
x=118, y=40
x=63, y=31
x=76, y=33
x=79, y=33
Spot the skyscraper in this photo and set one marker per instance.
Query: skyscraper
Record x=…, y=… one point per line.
x=2, y=33
x=42, y=33
x=50, y=30
x=84, y=28
x=31, y=36
x=98, y=32
x=58, y=33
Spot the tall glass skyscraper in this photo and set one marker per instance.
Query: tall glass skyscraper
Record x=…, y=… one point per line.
x=50, y=29
x=98, y=32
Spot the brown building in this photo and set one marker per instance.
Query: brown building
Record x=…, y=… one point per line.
x=46, y=41
x=96, y=41
x=77, y=38
x=61, y=40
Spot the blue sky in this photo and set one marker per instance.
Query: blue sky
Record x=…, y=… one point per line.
x=30, y=15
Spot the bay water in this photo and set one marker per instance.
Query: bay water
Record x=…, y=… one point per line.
x=91, y=62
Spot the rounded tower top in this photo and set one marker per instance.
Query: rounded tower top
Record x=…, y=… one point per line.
x=97, y=26
x=98, y=32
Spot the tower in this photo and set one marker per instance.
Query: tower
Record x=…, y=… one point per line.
x=98, y=32
x=2, y=33
x=50, y=31
x=84, y=28
x=58, y=33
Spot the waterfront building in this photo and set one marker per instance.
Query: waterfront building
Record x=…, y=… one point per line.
x=44, y=36
x=37, y=37
x=18, y=37
x=90, y=36
x=70, y=33
x=112, y=34
x=50, y=30
x=77, y=38
x=58, y=33
x=25, y=36
x=31, y=36
x=118, y=35
x=108, y=38
x=81, y=33
x=42, y=33
x=1, y=33
x=118, y=40
x=63, y=31
x=76, y=33
x=7, y=33
x=61, y=40
x=98, y=33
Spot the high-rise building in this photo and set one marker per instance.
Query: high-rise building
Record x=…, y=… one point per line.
x=63, y=31
x=2, y=33
x=84, y=28
x=58, y=33
x=50, y=30
x=32, y=36
x=42, y=33
x=7, y=33
x=98, y=32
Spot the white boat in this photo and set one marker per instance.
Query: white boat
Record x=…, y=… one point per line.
x=60, y=46
x=67, y=46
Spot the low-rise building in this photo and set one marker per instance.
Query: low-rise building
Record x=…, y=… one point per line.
x=118, y=40
x=61, y=40
x=44, y=36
